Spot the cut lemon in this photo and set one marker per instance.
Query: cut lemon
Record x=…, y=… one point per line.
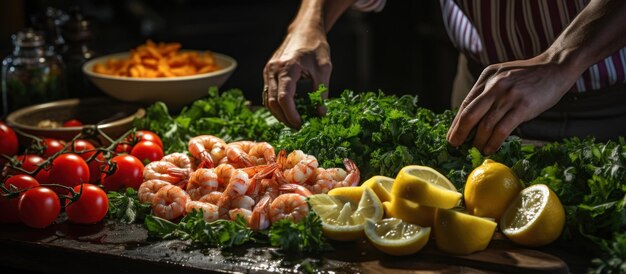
x=425, y=186
x=381, y=186
x=490, y=188
x=343, y=220
x=395, y=237
x=535, y=218
x=409, y=211
x=460, y=233
x=352, y=193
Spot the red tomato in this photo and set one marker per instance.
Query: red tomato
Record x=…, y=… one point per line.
x=29, y=163
x=52, y=146
x=123, y=148
x=90, y=208
x=79, y=147
x=72, y=123
x=8, y=142
x=39, y=207
x=128, y=172
x=43, y=176
x=68, y=170
x=147, y=151
x=8, y=206
x=146, y=135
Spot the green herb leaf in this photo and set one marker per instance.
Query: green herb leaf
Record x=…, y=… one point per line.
x=125, y=207
x=305, y=236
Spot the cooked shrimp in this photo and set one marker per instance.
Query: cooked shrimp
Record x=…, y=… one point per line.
x=295, y=188
x=212, y=197
x=201, y=182
x=260, y=217
x=224, y=172
x=244, y=213
x=237, y=153
x=299, y=168
x=290, y=206
x=237, y=184
x=207, y=148
x=351, y=178
x=170, y=202
x=260, y=188
x=161, y=170
x=148, y=190
x=262, y=153
x=323, y=182
x=210, y=212
x=180, y=160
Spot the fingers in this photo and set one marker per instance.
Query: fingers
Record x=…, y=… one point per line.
x=468, y=118
x=287, y=81
x=502, y=130
x=272, y=104
x=488, y=123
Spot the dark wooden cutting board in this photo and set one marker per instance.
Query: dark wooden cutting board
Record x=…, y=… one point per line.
x=118, y=248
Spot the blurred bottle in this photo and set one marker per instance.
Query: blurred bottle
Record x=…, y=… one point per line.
x=78, y=34
x=29, y=74
x=49, y=22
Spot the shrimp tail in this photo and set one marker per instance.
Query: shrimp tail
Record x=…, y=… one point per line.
x=298, y=189
x=179, y=172
x=207, y=161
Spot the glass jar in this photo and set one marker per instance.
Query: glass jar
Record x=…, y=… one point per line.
x=29, y=75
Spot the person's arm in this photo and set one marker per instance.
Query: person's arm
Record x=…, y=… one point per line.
x=510, y=93
x=304, y=53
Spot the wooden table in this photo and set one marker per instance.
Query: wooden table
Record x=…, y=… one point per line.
x=111, y=247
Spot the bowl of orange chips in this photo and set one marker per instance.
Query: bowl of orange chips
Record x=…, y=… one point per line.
x=163, y=72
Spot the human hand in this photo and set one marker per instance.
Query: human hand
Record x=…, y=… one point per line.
x=303, y=53
x=506, y=95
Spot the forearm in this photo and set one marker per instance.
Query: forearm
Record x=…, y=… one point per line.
x=319, y=14
x=598, y=31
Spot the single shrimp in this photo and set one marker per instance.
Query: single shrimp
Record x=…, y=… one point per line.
x=295, y=188
x=208, y=149
x=349, y=177
x=323, y=182
x=262, y=153
x=237, y=184
x=224, y=173
x=212, y=198
x=299, y=168
x=148, y=190
x=210, y=212
x=161, y=170
x=180, y=160
x=226, y=204
x=201, y=182
x=170, y=202
x=237, y=153
x=290, y=206
x=257, y=218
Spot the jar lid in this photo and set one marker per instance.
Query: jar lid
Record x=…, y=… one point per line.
x=28, y=38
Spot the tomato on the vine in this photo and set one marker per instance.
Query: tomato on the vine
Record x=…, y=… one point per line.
x=39, y=207
x=68, y=170
x=127, y=171
x=9, y=206
x=72, y=123
x=52, y=146
x=123, y=148
x=29, y=163
x=146, y=135
x=90, y=208
x=8, y=142
x=147, y=151
x=86, y=150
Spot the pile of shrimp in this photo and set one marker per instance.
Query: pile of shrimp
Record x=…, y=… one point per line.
x=245, y=178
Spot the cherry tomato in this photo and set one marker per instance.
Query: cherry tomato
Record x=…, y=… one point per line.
x=123, y=148
x=39, y=207
x=8, y=206
x=29, y=162
x=146, y=135
x=43, y=176
x=72, y=123
x=8, y=142
x=90, y=208
x=68, y=170
x=128, y=172
x=147, y=151
x=52, y=146
x=84, y=149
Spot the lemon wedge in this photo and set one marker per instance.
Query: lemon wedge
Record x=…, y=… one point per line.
x=535, y=218
x=425, y=186
x=352, y=193
x=381, y=185
x=460, y=233
x=395, y=237
x=409, y=211
x=343, y=220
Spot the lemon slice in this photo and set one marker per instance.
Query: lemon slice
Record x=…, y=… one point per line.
x=535, y=218
x=425, y=186
x=395, y=237
x=352, y=193
x=409, y=211
x=343, y=220
x=460, y=233
x=381, y=186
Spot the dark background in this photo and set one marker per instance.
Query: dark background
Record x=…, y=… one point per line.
x=402, y=50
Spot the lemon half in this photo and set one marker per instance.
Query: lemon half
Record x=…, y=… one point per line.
x=535, y=218
x=425, y=186
x=395, y=237
x=343, y=220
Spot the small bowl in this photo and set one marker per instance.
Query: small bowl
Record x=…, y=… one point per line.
x=175, y=92
x=115, y=117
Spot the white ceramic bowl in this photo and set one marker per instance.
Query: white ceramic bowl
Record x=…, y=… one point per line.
x=175, y=92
